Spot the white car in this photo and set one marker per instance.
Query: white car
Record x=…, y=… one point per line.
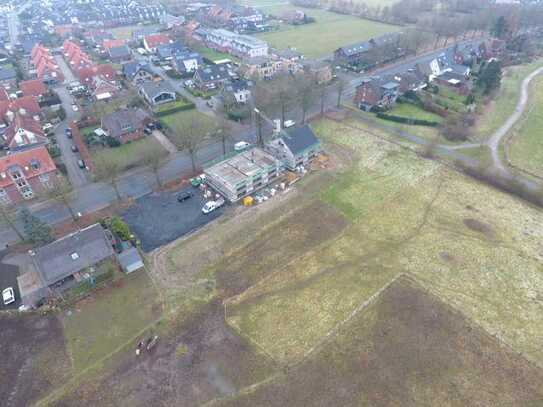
x=289, y=123
x=75, y=108
x=212, y=205
x=241, y=145
x=47, y=126
x=8, y=296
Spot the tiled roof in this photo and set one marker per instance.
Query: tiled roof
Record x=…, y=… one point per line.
x=24, y=159
x=156, y=39
x=108, y=44
x=33, y=88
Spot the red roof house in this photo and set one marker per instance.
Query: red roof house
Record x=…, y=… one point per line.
x=23, y=131
x=87, y=74
x=33, y=87
x=108, y=44
x=26, y=173
x=27, y=104
x=150, y=42
x=3, y=94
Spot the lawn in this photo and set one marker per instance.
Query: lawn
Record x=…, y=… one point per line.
x=470, y=244
x=411, y=111
x=329, y=32
x=128, y=155
x=213, y=55
x=178, y=122
x=496, y=113
x=124, y=32
x=526, y=146
x=99, y=325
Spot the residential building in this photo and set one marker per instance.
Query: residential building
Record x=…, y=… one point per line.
x=25, y=173
x=151, y=42
x=237, y=92
x=137, y=72
x=243, y=174
x=126, y=125
x=187, y=63
x=112, y=43
x=171, y=50
x=170, y=21
x=263, y=67
x=242, y=46
x=45, y=66
x=296, y=147
x=87, y=74
x=66, y=259
x=22, y=132
x=372, y=52
x=319, y=70
x=157, y=93
x=8, y=77
x=141, y=33
x=376, y=92
x=27, y=105
x=35, y=88
x=211, y=77
x=104, y=89
x=119, y=54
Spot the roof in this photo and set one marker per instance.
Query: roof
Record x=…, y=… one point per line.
x=33, y=87
x=112, y=43
x=365, y=46
x=3, y=94
x=23, y=131
x=299, y=139
x=130, y=69
x=123, y=121
x=86, y=74
x=154, y=40
x=212, y=73
x=238, y=86
x=72, y=253
x=28, y=103
x=152, y=89
x=119, y=52
x=7, y=74
x=130, y=260
x=23, y=160
x=168, y=50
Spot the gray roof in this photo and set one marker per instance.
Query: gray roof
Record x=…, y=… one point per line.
x=213, y=73
x=130, y=260
x=130, y=69
x=7, y=74
x=72, y=253
x=237, y=86
x=365, y=46
x=299, y=139
x=124, y=121
x=152, y=89
x=119, y=52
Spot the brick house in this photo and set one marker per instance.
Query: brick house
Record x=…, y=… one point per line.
x=126, y=125
x=22, y=131
x=25, y=174
x=375, y=92
x=34, y=88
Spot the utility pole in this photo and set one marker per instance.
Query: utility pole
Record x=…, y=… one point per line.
x=259, y=138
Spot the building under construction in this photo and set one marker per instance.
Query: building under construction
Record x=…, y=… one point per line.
x=243, y=173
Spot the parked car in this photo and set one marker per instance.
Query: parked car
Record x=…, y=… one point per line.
x=81, y=164
x=47, y=126
x=184, y=195
x=74, y=148
x=289, y=123
x=75, y=108
x=68, y=133
x=212, y=205
x=241, y=145
x=8, y=295
x=147, y=131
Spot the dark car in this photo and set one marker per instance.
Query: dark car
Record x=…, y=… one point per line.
x=68, y=132
x=184, y=195
x=74, y=148
x=81, y=164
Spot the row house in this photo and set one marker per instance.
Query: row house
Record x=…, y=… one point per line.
x=75, y=56
x=151, y=42
x=25, y=174
x=22, y=132
x=279, y=62
x=243, y=46
x=45, y=66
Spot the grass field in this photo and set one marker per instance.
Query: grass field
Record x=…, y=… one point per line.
x=497, y=112
x=213, y=55
x=128, y=155
x=179, y=121
x=125, y=32
x=329, y=32
x=411, y=111
x=109, y=318
x=526, y=145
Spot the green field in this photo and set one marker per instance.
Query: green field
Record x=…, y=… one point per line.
x=128, y=155
x=101, y=324
x=213, y=55
x=179, y=121
x=329, y=32
x=410, y=111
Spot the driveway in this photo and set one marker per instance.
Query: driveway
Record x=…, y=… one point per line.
x=8, y=278
x=158, y=218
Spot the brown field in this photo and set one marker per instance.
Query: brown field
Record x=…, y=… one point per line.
x=407, y=349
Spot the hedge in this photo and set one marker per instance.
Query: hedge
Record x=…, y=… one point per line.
x=407, y=120
x=176, y=109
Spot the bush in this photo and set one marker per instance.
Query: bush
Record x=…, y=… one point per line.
x=61, y=113
x=112, y=141
x=54, y=150
x=406, y=120
x=177, y=108
x=120, y=228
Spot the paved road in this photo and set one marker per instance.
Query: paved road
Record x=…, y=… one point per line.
x=495, y=140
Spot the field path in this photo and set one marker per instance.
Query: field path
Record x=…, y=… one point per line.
x=496, y=138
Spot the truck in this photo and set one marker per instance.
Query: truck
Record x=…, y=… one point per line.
x=210, y=206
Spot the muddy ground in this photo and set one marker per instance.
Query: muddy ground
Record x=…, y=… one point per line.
x=205, y=362
x=33, y=359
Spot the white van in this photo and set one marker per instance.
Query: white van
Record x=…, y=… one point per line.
x=289, y=123
x=241, y=145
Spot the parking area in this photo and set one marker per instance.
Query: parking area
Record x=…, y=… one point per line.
x=159, y=218
x=8, y=278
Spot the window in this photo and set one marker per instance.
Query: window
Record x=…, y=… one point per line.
x=35, y=165
x=27, y=192
x=21, y=183
x=4, y=197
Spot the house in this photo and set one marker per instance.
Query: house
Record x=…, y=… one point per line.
x=171, y=50
x=237, y=92
x=454, y=81
x=66, y=259
x=141, y=33
x=263, y=67
x=125, y=125
x=411, y=80
x=294, y=17
x=243, y=173
x=287, y=60
x=25, y=173
x=236, y=17
x=157, y=93
x=137, y=72
x=211, y=77
x=35, y=88
x=297, y=147
x=130, y=260
x=26, y=104
x=87, y=74
x=376, y=92
x=242, y=46
x=187, y=62
x=8, y=77
x=22, y=132
x=103, y=89
x=151, y=42
x=170, y=21
x=119, y=54
x=97, y=37
x=372, y=52
x=319, y=70
x=109, y=43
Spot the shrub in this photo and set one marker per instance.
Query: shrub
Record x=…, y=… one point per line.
x=112, y=141
x=120, y=228
x=407, y=120
x=54, y=150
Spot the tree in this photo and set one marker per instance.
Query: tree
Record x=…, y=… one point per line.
x=304, y=87
x=284, y=93
x=191, y=139
x=7, y=214
x=153, y=157
x=36, y=231
x=322, y=91
x=340, y=88
x=108, y=170
x=500, y=29
x=60, y=192
x=490, y=77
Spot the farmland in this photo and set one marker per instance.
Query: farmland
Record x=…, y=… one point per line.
x=329, y=32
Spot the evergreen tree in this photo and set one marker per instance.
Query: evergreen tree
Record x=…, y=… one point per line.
x=500, y=28
x=490, y=77
x=35, y=230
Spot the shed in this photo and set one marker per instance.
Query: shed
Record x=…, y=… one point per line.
x=130, y=260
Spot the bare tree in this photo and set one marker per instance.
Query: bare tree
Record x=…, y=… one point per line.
x=8, y=216
x=153, y=157
x=61, y=192
x=192, y=138
x=108, y=170
x=304, y=88
x=323, y=92
x=340, y=88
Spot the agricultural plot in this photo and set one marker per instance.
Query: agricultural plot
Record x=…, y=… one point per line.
x=329, y=32
x=525, y=148
x=406, y=348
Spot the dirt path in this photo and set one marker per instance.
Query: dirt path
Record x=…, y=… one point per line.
x=497, y=137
